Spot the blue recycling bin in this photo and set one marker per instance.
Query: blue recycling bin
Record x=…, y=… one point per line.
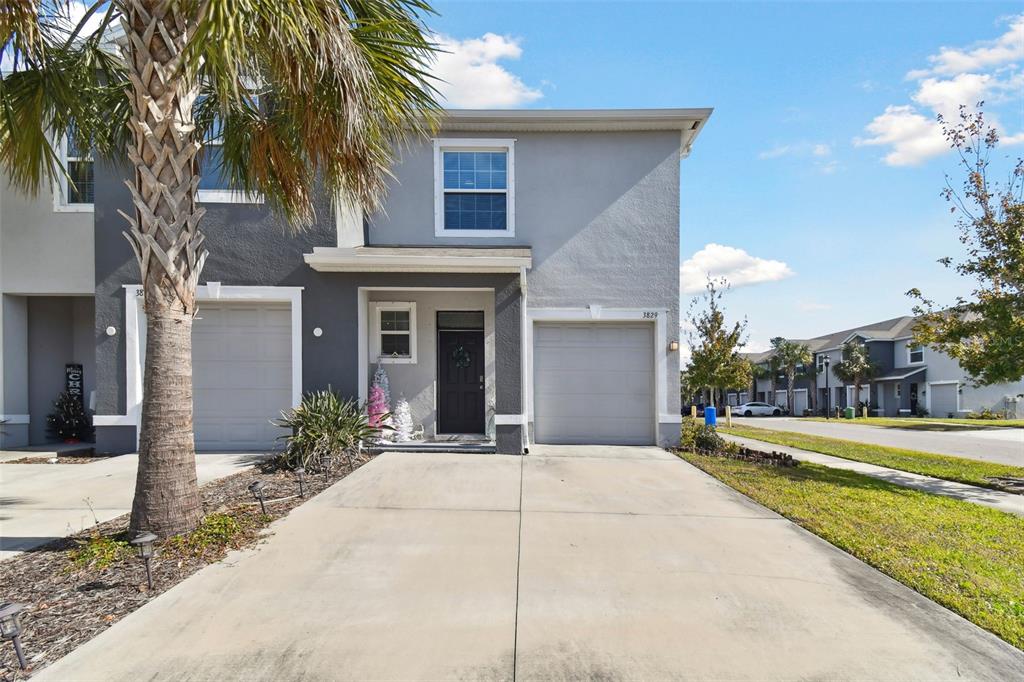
x=710, y=416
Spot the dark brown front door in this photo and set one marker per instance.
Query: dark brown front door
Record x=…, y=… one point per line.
x=460, y=381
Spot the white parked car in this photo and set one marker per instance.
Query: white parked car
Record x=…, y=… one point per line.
x=757, y=410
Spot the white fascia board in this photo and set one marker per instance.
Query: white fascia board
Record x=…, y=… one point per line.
x=330, y=259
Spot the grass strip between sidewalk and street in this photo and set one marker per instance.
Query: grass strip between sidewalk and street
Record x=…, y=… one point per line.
x=963, y=556
x=959, y=469
x=926, y=423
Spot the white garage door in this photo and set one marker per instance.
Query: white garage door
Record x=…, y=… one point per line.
x=799, y=402
x=593, y=383
x=943, y=403
x=242, y=374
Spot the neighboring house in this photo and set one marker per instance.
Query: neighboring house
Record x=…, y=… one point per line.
x=519, y=285
x=774, y=389
x=910, y=380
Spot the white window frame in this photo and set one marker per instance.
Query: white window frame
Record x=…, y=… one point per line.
x=898, y=393
x=225, y=196
x=407, y=306
x=910, y=352
x=819, y=362
x=60, y=201
x=442, y=145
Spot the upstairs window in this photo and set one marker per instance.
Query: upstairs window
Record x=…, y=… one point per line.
x=915, y=353
x=77, y=191
x=819, y=361
x=214, y=185
x=473, y=184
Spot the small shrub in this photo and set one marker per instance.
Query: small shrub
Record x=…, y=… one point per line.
x=323, y=430
x=216, y=533
x=99, y=552
x=696, y=436
x=986, y=414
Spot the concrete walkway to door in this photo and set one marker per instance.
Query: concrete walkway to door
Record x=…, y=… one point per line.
x=570, y=563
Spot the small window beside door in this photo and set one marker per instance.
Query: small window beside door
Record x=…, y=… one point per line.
x=76, y=190
x=395, y=332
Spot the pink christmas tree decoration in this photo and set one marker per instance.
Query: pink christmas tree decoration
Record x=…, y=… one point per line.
x=377, y=409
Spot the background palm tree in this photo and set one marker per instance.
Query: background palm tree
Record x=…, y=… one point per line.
x=855, y=368
x=301, y=92
x=789, y=355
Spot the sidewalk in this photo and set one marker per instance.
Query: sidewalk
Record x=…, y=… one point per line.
x=1003, y=501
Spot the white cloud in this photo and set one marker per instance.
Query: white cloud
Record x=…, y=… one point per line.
x=776, y=152
x=950, y=61
x=818, y=151
x=956, y=77
x=821, y=150
x=912, y=137
x=737, y=266
x=472, y=78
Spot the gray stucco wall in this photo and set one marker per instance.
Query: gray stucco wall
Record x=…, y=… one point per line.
x=43, y=251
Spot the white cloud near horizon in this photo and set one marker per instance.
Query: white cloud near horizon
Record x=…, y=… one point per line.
x=987, y=71
x=819, y=153
x=738, y=267
x=472, y=78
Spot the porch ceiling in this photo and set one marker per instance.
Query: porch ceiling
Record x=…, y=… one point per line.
x=418, y=259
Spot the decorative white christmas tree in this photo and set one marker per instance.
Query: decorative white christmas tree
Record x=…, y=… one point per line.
x=402, y=421
x=380, y=378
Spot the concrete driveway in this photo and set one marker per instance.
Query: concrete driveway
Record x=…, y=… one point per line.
x=43, y=502
x=570, y=563
x=993, y=444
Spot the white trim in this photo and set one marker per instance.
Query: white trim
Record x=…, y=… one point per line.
x=661, y=352
x=510, y=420
x=403, y=306
x=417, y=259
x=227, y=196
x=507, y=145
x=114, y=420
x=15, y=419
x=135, y=339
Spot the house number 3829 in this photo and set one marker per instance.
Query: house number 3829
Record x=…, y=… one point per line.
x=650, y=314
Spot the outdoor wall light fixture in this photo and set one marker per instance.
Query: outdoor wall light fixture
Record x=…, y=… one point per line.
x=10, y=628
x=300, y=473
x=256, y=488
x=673, y=346
x=111, y=331
x=144, y=543
x=318, y=332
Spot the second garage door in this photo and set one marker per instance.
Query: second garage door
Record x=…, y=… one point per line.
x=242, y=374
x=593, y=383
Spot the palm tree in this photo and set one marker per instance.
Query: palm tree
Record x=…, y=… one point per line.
x=856, y=366
x=789, y=355
x=301, y=92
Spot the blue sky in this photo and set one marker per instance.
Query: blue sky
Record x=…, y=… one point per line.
x=821, y=163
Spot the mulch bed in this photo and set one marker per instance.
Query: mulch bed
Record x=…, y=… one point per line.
x=72, y=459
x=69, y=604
x=773, y=458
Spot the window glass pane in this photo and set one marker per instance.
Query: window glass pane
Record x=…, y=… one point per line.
x=210, y=175
x=81, y=189
x=483, y=211
x=394, y=344
x=475, y=170
x=394, y=320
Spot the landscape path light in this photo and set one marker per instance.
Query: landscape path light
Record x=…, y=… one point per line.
x=301, y=474
x=256, y=488
x=144, y=543
x=10, y=628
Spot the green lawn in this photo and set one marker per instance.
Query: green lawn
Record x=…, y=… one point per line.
x=926, y=423
x=946, y=467
x=966, y=557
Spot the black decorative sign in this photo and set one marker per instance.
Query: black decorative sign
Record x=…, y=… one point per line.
x=73, y=382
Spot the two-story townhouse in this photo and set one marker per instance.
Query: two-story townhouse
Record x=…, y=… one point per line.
x=519, y=285
x=770, y=385
x=46, y=291
x=908, y=379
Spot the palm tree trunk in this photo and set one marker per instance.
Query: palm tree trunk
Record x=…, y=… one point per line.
x=168, y=245
x=790, y=382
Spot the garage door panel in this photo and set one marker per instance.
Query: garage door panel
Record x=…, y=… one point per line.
x=593, y=383
x=242, y=374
